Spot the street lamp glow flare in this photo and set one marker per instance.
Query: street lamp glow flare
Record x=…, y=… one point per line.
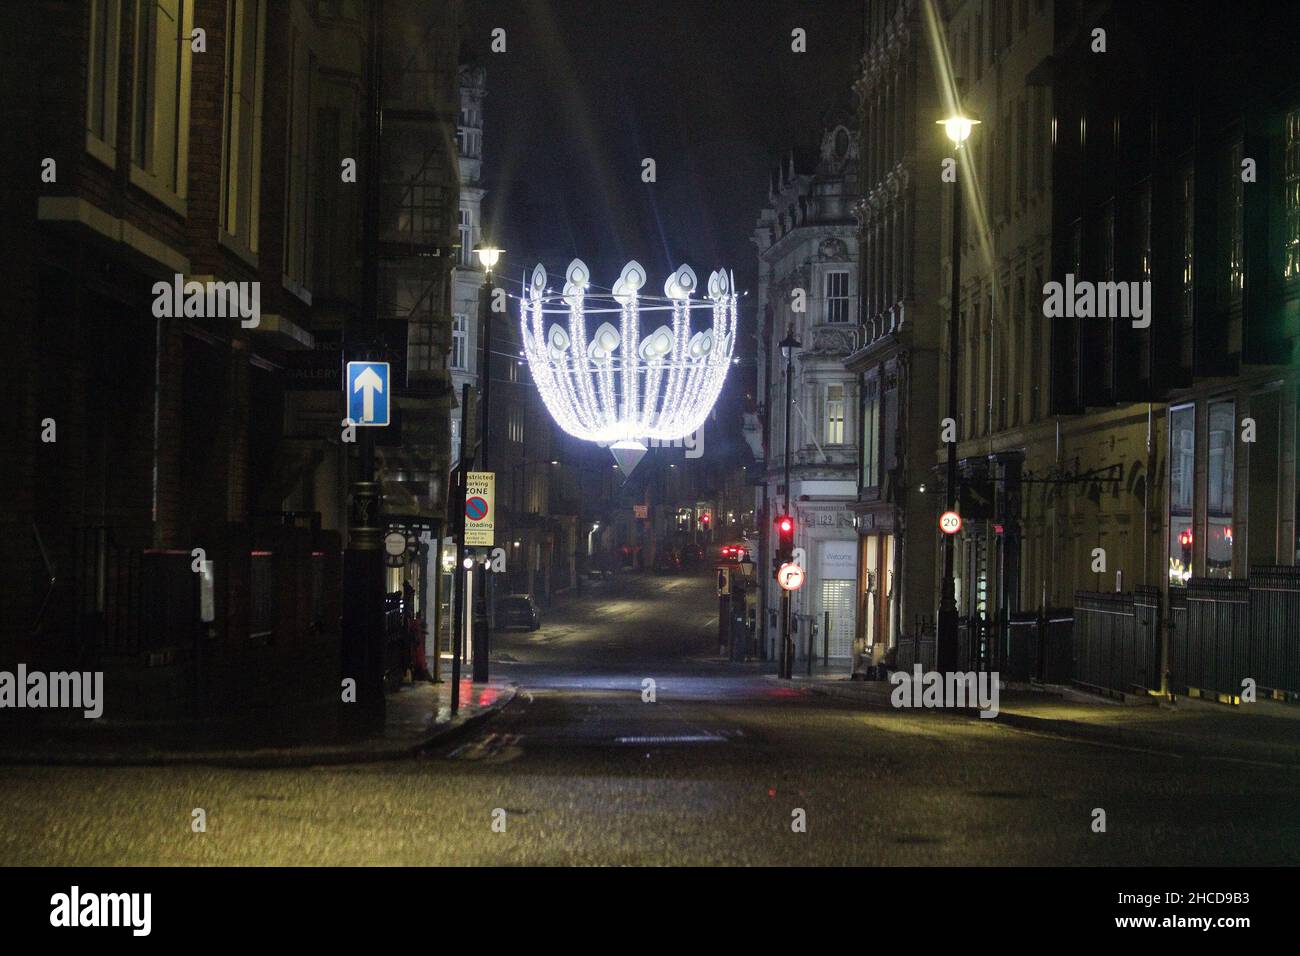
x=615, y=386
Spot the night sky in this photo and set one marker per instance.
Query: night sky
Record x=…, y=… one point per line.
x=710, y=90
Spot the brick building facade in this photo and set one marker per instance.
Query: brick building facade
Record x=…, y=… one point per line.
x=203, y=141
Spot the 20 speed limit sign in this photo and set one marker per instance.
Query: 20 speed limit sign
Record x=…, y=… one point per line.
x=790, y=577
x=950, y=522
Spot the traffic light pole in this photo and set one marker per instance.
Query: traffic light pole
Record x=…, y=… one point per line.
x=787, y=642
x=787, y=645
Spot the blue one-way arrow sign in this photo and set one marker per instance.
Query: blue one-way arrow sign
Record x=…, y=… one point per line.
x=367, y=393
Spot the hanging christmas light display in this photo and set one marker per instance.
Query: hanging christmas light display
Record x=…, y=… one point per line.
x=613, y=386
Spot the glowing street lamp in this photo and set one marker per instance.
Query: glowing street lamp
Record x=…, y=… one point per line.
x=958, y=128
x=488, y=255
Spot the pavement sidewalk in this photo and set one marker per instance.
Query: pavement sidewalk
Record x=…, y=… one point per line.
x=416, y=717
x=1263, y=732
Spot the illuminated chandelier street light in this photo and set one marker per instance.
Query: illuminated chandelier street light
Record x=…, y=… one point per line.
x=615, y=386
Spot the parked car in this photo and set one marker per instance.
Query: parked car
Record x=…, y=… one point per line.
x=518, y=610
x=668, y=562
x=692, y=557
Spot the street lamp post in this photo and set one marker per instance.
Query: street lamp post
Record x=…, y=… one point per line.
x=363, y=584
x=488, y=255
x=788, y=346
x=958, y=128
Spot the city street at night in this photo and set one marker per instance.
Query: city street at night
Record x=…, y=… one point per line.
x=521, y=462
x=709, y=774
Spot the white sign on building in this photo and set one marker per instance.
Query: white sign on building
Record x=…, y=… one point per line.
x=839, y=560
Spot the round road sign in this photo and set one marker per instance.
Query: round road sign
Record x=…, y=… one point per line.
x=950, y=522
x=790, y=577
x=476, y=508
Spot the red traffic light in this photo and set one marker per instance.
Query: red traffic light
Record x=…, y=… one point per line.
x=785, y=524
x=1185, y=537
x=705, y=519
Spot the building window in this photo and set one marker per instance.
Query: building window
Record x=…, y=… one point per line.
x=1108, y=275
x=515, y=424
x=834, y=424
x=1236, y=223
x=1218, y=490
x=419, y=346
x=466, y=237
x=1143, y=244
x=413, y=209
x=1188, y=299
x=407, y=298
x=1291, y=185
x=871, y=435
x=1022, y=152
x=160, y=112
x=1182, y=472
x=101, y=79
x=459, y=335
x=298, y=185
x=241, y=153
x=837, y=297
x=1005, y=163
x=1144, y=230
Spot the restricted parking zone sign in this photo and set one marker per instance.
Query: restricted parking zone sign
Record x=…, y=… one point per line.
x=480, y=515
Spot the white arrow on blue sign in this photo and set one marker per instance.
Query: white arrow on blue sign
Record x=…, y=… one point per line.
x=367, y=393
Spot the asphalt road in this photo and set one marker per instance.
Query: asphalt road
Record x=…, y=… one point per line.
x=712, y=772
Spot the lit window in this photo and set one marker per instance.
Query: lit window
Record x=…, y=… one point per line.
x=466, y=237
x=459, y=333
x=1182, y=471
x=101, y=78
x=241, y=153
x=834, y=430
x=870, y=439
x=160, y=111
x=1218, y=490
x=516, y=424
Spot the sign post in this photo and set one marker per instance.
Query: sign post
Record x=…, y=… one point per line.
x=480, y=532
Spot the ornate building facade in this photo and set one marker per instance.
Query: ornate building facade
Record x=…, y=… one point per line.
x=897, y=363
x=809, y=287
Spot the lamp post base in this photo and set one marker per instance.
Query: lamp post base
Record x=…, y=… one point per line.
x=945, y=645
